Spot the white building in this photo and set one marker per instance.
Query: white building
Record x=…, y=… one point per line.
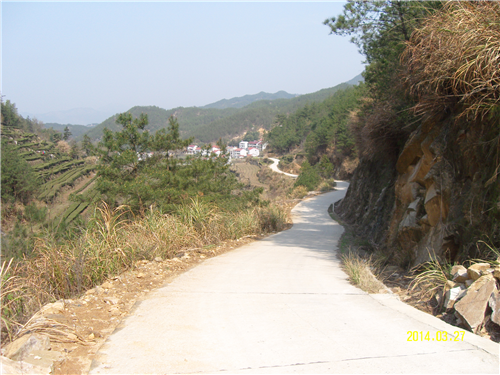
x=243, y=145
x=191, y=149
x=253, y=152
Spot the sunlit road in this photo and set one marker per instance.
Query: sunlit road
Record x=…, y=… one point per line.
x=283, y=305
x=275, y=168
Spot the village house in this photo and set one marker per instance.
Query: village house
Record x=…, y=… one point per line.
x=253, y=151
x=191, y=149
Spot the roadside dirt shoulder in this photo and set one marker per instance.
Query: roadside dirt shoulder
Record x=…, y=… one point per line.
x=94, y=316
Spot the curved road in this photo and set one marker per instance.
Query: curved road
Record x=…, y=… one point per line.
x=283, y=305
x=275, y=168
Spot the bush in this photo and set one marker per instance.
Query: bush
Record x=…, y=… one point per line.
x=308, y=177
x=19, y=180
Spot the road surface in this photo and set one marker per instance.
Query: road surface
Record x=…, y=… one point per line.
x=283, y=305
x=275, y=168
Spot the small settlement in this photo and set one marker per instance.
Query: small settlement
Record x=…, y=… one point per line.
x=244, y=149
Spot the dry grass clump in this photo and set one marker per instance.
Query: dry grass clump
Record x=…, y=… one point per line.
x=431, y=278
x=112, y=243
x=359, y=271
x=455, y=58
x=299, y=192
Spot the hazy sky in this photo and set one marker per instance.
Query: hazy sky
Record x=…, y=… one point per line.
x=114, y=55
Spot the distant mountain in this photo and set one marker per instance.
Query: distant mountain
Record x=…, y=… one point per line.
x=359, y=78
x=243, y=101
x=76, y=130
x=75, y=116
x=211, y=122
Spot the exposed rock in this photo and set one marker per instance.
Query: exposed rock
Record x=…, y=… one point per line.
x=496, y=272
x=494, y=303
x=158, y=259
x=471, y=307
x=140, y=275
x=20, y=348
x=459, y=274
x=453, y=295
x=52, y=308
x=111, y=300
x=411, y=151
x=413, y=206
x=115, y=311
x=476, y=270
x=435, y=205
x=409, y=220
x=107, y=285
x=44, y=359
x=9, y=366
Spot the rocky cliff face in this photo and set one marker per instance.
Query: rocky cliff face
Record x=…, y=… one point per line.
x=440, y=196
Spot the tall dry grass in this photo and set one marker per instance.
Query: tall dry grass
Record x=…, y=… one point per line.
x=112, y=242
x=455, y=58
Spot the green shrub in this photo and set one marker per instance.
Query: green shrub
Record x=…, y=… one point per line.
x=308, y=177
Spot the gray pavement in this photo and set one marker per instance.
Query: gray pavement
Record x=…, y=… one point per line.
x=275, y=168
x=283, y=305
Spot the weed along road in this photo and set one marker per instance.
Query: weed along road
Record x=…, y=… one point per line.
x=283, y=305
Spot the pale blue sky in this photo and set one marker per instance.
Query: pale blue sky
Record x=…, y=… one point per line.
x=114, y=55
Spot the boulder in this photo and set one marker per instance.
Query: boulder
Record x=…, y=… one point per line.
x=459, y=274
x=494, y=303
x=477, y=270
x=472, y=306
x=496, y=272
x=23, y=346
x=453, y=295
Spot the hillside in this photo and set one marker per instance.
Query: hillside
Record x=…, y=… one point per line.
x=76, y=130
x=243, y=101
x=209, y=124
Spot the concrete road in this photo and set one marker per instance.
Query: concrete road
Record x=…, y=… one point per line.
x=283, y=305
x=275, y=168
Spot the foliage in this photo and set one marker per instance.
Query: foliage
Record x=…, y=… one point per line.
x=19, y=181
x=66, y=133
x=380, y=30
x=308, y=177
x=321, y=127
x=251, y=136
x=325, y=167
x=130, y=177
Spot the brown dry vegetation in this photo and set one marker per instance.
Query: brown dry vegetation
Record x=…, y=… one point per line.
x=454, y=59
x=112, y=243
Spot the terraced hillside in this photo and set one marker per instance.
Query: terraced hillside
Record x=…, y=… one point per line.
x=58, y=174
